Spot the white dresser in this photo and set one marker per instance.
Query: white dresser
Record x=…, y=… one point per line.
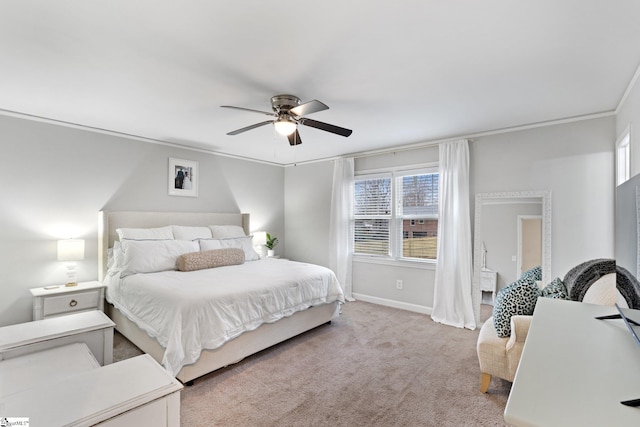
x=93, y=328
x=136, y=392
x=51, y=374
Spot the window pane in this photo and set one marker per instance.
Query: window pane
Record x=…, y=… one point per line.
x=420, y=194
x=373, y=197
x=372, y=236
x=420, y=239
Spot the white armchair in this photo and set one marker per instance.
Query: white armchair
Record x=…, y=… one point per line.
x=499, y=357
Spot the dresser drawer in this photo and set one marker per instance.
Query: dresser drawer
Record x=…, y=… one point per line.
x=70, y=303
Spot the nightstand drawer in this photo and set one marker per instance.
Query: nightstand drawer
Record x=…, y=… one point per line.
x=70, y=303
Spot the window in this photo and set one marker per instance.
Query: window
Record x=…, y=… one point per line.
x=372, y=209
x=396, y=214
x=623, y=159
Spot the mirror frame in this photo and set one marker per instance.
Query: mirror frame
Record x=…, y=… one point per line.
x=545, y=195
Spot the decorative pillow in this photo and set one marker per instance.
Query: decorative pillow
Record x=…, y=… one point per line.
x=183, y=232
x=160, y=233
x=210, y=259
x=243, y=243
x=519, y=298
x=150, y=256
x=226, y=231
x=532, y=274
x=603, y=291
x=556, y=289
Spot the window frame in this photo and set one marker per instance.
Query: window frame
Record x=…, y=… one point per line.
x=623, y=157
x=395, y=255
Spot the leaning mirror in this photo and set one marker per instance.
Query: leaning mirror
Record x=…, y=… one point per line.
x=512, y=233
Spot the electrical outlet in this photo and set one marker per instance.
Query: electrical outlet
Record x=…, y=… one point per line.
x=399, y=284
x=514, y=258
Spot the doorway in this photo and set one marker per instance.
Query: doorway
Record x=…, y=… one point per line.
x=529, y=242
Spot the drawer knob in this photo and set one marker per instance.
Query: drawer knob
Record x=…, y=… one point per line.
x=73, y=303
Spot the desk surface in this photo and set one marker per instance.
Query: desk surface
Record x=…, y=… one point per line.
x=575, y=369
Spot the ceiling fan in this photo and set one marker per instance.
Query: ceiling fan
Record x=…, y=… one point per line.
x=288, y=112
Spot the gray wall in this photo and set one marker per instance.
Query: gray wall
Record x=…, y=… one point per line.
x=573, y=160
x=307, y=191
x=58, y=178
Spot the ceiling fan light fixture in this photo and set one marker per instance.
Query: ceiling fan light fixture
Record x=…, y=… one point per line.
x=285, y=126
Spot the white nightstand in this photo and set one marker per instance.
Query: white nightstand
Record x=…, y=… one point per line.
x=488, y=282
x=52, y=301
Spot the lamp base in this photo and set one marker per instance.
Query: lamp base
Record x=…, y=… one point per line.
x=68, y=285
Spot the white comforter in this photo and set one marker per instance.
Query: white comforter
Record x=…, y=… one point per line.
x=190, y=311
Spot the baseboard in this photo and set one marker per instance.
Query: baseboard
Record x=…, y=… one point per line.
x=395, y=304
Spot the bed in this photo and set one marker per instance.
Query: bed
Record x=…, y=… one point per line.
x=196, y=321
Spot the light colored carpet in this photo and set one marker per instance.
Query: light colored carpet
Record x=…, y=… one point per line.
x=373, y=366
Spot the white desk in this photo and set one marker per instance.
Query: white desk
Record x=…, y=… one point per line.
x=575, y=370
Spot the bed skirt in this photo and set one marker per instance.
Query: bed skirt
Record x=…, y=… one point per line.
x=251, y=342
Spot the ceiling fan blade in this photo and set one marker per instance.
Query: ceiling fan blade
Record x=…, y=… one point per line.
x=257, y=125
x=294, y=138
x=308, y=108
x=326, y=127
x=249, y=109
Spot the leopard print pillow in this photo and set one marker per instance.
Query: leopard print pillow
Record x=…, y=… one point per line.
x=556, y=289
x=210, y=259
x=519, y=298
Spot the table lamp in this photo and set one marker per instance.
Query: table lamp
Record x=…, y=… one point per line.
x=259, y=240
x=70, y=251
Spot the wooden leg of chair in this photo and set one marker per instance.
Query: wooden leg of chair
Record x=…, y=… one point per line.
x=485, y=379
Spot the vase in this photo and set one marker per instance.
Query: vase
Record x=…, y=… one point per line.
x=270, y=252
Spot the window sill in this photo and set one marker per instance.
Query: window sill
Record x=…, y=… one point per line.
x=421, y=264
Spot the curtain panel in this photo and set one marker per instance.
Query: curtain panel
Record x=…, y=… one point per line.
x=341, y=224
x=452, y=300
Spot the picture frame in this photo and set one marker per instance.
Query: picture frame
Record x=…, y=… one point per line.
x=183, y=177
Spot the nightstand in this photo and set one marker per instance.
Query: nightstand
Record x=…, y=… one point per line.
x=489, y=282
x=52, y=301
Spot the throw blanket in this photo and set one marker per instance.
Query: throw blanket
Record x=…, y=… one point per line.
x=581, y=277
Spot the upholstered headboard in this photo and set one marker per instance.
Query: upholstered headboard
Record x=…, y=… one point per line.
x=109, y=221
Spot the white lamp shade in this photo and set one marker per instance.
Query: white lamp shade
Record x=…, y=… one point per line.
x=260, y=238
x=70, y=250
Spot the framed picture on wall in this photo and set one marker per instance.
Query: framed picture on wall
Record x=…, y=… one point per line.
x=183, y=177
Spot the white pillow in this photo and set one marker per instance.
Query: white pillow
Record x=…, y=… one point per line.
x=243, y=243
x=183, y=232
x=226, y=231
x=603, y=291
x=160, y=233
x=115, y=256
x=150, y=256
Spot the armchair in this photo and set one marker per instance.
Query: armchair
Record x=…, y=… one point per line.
x=499, y=357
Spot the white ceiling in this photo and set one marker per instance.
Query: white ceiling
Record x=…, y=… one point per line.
x=396, y=72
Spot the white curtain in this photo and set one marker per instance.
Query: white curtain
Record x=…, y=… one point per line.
x=452, y=301
x=341, y=225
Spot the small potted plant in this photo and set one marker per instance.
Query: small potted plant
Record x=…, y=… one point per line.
x=272, y=241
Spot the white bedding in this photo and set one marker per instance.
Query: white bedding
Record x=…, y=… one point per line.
x=190, y=311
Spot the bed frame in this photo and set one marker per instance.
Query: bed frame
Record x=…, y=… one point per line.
x=233, y=351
